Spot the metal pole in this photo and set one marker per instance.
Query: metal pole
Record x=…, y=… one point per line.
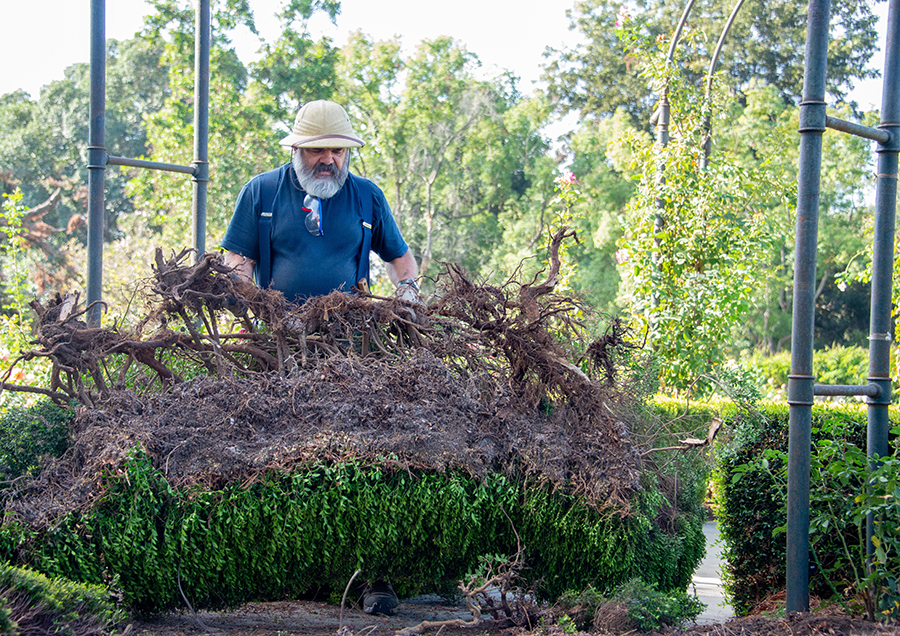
x=707, y=102
x=661, y=120
x=883, y=253
x=851, y=128
x=112, y=160
x=96, y=161
x=201, y=125
x=801, y=382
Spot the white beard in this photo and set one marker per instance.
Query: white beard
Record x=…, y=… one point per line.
x=318, y=187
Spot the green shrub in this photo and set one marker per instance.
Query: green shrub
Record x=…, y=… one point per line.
x=292, y=533
x=847, y=492
x=646, y=607
x=8, y=626
x=749, y=479
x=37, y=604
x=834, y=365
x=27, y=434
x=650, y=609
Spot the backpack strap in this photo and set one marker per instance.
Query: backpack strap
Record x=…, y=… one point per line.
x=368, y=218
x=268, y=186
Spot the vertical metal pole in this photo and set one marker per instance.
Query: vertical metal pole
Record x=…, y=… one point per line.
x=201, y=125
x=707, y=100
x=883, y=254
x=662, y=117
x=96, y=160
x=801, y=382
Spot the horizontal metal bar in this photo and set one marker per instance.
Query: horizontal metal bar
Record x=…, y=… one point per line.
x=881, y=136
x=869, y=390
x=151, y=165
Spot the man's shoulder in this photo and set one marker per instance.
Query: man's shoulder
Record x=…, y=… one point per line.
x=364, y=185
x=270, y=177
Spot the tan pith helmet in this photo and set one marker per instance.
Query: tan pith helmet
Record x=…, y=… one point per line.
x=322, y=124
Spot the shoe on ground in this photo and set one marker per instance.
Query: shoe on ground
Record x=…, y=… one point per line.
x=379, y=598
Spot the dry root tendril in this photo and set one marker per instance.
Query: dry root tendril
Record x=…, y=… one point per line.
x=482, y=381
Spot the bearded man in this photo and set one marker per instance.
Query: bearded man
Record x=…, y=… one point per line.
x=306, y=228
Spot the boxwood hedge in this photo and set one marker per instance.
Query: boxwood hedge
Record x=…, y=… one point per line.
x=750, y=494
x=297, y=533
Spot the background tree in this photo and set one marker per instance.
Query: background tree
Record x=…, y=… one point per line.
x=764, y=129
x=690, y=280
x=452, y=151
x=606, y=170
x=44, y=141
x=297, y=69
x=600, y=75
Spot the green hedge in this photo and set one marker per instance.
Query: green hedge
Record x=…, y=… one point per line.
x=27, y=434
x=292, y=534
x=749, y=479
x=833, y=365
x=35, y=604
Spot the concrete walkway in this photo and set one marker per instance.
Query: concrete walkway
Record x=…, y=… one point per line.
x=707, y=581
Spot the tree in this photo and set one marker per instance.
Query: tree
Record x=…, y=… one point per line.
x=601, y=75
x=244, y=112
x=454, y=152
x=764, y=130
x=371, y=88
x=695, y=240
x=606, y=172
x=43, y=142
x=297, y=69
x=443, y=103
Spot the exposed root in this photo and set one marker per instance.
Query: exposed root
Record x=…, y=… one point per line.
x=489, y=378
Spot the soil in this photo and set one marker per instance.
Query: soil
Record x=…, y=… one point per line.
x=311, y=618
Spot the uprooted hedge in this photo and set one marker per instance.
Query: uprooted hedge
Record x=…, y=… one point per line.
x=215, y=461
x=292, y=534
x=31, y=603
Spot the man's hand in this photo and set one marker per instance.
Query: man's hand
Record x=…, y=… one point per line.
x=243, y=289
x=408, y=292
x=241, y=266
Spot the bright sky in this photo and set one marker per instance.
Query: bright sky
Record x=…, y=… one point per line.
x=43, y=37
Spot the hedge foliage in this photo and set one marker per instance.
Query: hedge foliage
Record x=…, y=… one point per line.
x=749, y=481
x=295, y=533
x=28, y=433
x=832, y=365
x=35, y=604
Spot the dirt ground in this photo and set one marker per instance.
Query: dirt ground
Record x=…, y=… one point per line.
x=310, y=618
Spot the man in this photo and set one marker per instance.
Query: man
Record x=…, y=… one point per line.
x=305, y=228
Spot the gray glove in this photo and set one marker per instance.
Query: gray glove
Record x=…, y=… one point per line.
x=408, y=292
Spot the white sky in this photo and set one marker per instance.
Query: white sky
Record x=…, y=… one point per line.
x=42, y=37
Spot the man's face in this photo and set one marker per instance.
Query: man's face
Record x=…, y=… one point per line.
x=321, y=171
x=324, y=163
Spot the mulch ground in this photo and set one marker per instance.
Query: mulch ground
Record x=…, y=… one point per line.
x=308, y=618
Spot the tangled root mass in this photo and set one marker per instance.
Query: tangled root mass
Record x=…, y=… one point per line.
x=486, y=378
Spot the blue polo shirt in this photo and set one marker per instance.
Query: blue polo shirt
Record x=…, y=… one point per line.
x=304, y=265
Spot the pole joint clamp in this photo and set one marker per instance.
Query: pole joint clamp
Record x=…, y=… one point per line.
x=97, y=158
x=801, y=390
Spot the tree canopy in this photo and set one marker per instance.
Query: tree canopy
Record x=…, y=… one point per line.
x=468, y=169
x=601, y=74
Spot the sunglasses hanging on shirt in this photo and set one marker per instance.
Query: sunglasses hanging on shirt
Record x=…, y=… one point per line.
x=313, y=206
